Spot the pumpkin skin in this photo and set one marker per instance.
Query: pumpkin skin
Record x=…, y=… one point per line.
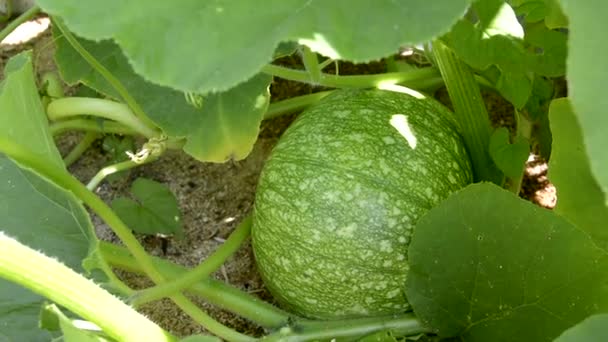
x=340, y=194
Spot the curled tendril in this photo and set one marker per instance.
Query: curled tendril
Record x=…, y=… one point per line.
x=194, y=99
x=154, y=148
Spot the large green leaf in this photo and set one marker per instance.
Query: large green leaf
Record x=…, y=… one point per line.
x=488, y=266
x=220, y=126
x=46, y=218
x=580, y=199
x=593, y=329
x=230, y=121
x=587, y=74
x=22, y=118
x=203, y=46
x=32, y=210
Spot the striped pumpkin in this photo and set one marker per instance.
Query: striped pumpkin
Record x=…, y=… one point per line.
x=340, y=194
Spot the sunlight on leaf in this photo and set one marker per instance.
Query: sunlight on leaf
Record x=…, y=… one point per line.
x=504, y=23
x=592, y=329
x=320, y=44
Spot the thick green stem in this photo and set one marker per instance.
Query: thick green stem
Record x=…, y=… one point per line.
x=294, y=104
x=80, y=124
x=105, y=73
x=213, y=291
x=401, y=325
x=414, y=79
x=27, y=15
x=470, y=111
x=200, y=272
x=82, y=146
x=65, y=180
x=57, y=282
x=74, y=106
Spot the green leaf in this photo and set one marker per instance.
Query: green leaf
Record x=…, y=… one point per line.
x=22, y=118
x=587, y=74
x=285, y=49
x=592, y=329
x=550, y=60
x=498, y=40
x=555, y=15
x=48, y=219
x=155, y=212
x=230, y=121
x=489, y=266
x=73, y=330
x=537, y=10
x=226, y=125
x=33, y=210
x=510, y=158
x=212, y=46
x=580, y=197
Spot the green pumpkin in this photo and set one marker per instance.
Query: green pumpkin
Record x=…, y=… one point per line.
x=340, y=194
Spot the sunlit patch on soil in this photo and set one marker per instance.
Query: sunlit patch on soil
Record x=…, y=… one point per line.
x=27, y=31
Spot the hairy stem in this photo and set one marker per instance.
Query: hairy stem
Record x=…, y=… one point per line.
x=415, y=79
x=91, y=125
x=200, y=272
x=57, y=282
x=106, y=74
x=74, y=106
x=27, y=15
x=470, y=111
x=294, y=104
x=82, y=146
